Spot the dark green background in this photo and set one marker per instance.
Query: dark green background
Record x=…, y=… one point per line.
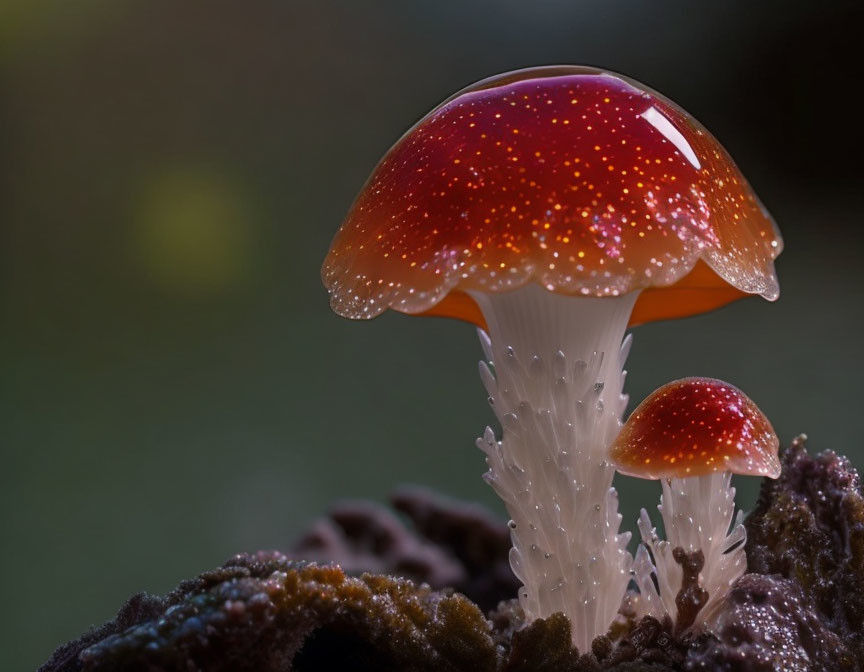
x=174, y=386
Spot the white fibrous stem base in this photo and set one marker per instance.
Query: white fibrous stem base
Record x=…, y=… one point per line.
x=555, y=380
x=697, y=513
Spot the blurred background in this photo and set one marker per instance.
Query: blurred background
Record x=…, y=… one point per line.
x=174, y=386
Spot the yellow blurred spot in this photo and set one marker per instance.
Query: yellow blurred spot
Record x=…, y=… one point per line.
x=193, y=233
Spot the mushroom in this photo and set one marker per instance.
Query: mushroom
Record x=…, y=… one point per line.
x=692, y=435
x=551, y=207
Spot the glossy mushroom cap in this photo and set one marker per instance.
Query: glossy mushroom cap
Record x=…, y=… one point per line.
x=583, y=181
x=693, y=427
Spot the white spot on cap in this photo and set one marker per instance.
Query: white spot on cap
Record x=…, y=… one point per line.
x=654, y=117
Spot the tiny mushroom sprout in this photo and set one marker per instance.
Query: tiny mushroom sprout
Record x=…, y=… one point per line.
x=692, y=435
x=552, y=207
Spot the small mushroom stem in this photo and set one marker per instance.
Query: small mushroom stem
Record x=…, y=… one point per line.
x=557, y=392
x=697, y=513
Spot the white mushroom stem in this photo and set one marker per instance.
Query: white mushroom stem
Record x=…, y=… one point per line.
x=697, y=513
x=557, y=392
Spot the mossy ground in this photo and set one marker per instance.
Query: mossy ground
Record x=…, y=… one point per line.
x=800, y=607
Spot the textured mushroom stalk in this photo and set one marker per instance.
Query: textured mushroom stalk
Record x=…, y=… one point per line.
x=697, y=513
x=557, y=392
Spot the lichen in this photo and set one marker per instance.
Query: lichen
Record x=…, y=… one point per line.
x=800, y=607
x=770, y=625
x=808, y=527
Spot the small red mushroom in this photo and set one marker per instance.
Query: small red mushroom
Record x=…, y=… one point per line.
x=693, y=434
x=553, y=207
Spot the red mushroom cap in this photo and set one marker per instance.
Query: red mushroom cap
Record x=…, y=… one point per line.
x=696, y=426
x=583, y=181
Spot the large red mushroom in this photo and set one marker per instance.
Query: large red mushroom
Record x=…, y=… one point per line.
x=552, y=207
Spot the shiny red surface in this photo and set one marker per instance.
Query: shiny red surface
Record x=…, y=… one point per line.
x=584, y=182
x=696, y=426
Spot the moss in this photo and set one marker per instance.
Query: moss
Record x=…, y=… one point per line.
x=543, y=646
x=443, y=543
x=267, y=613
